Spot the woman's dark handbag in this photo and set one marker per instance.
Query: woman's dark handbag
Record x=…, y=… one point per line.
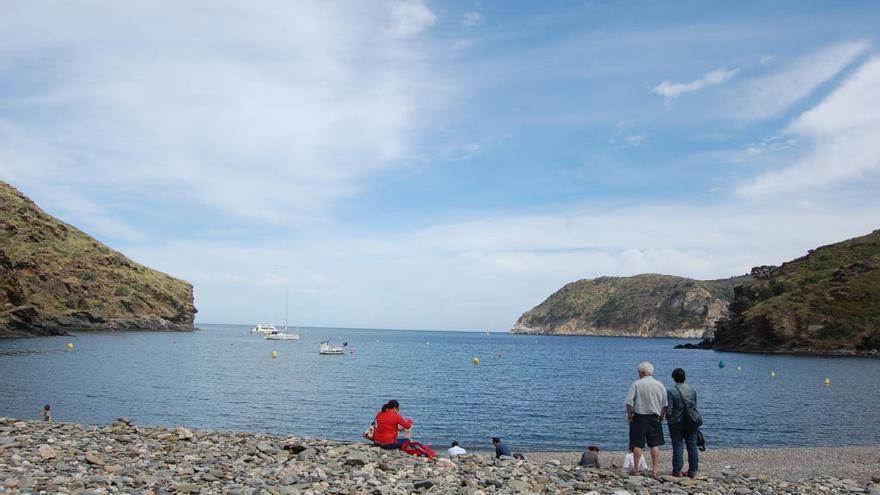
x=692, y=416
x=371, y=431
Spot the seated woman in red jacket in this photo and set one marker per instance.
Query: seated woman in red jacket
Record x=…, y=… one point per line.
x=388, y=422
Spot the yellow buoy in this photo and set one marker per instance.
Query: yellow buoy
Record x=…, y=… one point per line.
x=274, y=354
x=772, y=374
x=476, y=360
x=70, y=346
x=827, y=381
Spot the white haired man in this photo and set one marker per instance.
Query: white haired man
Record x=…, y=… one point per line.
x=646, y=405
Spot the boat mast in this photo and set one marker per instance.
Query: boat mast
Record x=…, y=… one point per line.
x=286, y=298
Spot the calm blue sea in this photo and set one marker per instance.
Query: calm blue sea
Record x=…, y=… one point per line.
x=539, y=393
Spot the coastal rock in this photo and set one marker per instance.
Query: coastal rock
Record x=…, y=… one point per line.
x=54, y=277
x=94, y=459
x=648, y=305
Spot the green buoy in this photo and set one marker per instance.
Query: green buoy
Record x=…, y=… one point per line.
x=721, y=364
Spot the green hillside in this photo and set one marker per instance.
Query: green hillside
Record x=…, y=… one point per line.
x=827, y=302
x=644, y=305
x=54, y=277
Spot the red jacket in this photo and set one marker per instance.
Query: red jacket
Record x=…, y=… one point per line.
x=386, y=426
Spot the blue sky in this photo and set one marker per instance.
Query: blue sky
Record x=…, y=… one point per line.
x=442, y=165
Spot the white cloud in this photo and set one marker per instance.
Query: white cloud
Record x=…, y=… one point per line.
x=270, y=112
x=471, y=19
x=771, y=145
x=844, y=133
x=410, y=18
x=769, y=96
x=635, y=140
x=484, y=272
x=669, y=89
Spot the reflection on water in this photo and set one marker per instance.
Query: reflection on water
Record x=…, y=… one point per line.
x=539, y=392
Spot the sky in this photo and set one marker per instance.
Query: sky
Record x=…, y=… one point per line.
x=445, y=165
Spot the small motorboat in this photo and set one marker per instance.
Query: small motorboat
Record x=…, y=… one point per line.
x=276, y=335
x=264, y=329
x=328, y=349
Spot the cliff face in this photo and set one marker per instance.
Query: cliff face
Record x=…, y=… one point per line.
x=641, y=306
x=53, y=277
x=827, y=302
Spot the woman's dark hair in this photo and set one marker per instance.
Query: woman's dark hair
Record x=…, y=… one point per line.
x=391, y=404
x=46, y=407
x=496, y=440
x=455, y=444
x=593, y=448
x=678, y=375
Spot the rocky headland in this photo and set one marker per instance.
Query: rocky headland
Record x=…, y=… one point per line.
x=54, y=278
x=826, y=302
x=38, y=457
x=649, y=305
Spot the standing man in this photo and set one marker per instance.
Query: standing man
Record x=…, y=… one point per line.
x=645, y=407
x=684, y=423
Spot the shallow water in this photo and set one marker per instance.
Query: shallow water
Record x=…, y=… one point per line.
x=539, y=393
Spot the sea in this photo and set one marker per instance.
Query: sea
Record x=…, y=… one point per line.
x=539, y=393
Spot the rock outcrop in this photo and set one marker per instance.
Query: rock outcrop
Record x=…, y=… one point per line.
x=648, y=305
x=827, y=302
x=54, y=277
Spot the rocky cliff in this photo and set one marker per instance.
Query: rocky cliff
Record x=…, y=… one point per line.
x=827, y=302
x=54, y=277
x=641, y=306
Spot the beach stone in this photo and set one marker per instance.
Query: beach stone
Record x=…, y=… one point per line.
x=518, y=486
x=47, y=452
x=356, y=459
x=183, y=433
x=874, y=489
x=187, y=488
x=423, y=484
x=265, y=447
x=94, y=459
x=295, y=448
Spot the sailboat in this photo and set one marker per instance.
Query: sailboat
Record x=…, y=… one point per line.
x=276, y=335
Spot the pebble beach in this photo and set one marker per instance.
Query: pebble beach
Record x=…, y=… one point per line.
x=38, y=457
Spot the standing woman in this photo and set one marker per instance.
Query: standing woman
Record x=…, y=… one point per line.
x=388, y=423
x=684, y=423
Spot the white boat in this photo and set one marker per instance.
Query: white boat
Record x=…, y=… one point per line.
x=275, y=334
x=282, y=336
x=264, y=329
x=327, y=349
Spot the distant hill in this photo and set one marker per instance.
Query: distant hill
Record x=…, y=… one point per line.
x=648, y=305
x=54, y=277
x=827, y=302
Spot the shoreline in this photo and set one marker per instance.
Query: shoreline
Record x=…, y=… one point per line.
x=788, y=463
x=39, y=457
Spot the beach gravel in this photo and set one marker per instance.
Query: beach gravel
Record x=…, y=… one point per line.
x=125, y=458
